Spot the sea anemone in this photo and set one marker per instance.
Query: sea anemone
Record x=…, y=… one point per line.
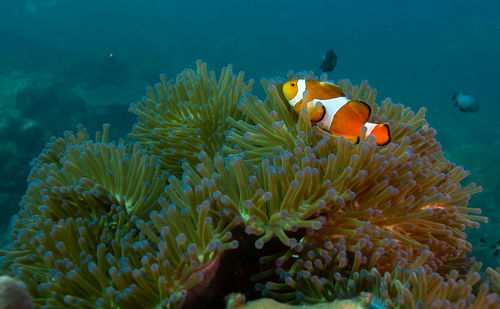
x=177, y=119
x=328, y=272
x=117, y=225
x=95, y=229
x=404, y=197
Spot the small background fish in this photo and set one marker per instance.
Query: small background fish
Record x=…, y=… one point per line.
x=329, y=61
x=465, y=103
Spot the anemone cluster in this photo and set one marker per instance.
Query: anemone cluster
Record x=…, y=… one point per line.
x=213, y=171
x=178, y=119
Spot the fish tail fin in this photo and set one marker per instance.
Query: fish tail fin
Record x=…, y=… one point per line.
x=382, y=134
x=454, y=96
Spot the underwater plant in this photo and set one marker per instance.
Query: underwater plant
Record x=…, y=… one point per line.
x=215, y=172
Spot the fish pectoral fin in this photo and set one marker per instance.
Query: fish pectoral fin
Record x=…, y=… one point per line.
x=349, y=119
x=317, y=112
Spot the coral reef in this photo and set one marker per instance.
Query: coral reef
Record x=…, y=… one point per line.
x=215, y=173
x=13, y=295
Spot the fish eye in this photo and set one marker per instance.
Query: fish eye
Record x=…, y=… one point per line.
x=293, y=84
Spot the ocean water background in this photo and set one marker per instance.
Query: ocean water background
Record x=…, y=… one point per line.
x=84, y=61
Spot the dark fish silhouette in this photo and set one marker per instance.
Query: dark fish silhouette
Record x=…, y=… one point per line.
x=465, y=103
x=329, y=61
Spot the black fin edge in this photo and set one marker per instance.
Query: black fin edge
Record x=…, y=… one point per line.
x=388, y=133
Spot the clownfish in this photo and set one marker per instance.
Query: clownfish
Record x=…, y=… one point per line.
x=337, y=114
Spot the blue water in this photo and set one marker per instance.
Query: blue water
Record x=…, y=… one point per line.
x=64, y=62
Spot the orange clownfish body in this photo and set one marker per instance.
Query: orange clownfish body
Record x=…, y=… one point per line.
x=337, y=114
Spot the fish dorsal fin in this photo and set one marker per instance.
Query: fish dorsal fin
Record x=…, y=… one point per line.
x=322, y=90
